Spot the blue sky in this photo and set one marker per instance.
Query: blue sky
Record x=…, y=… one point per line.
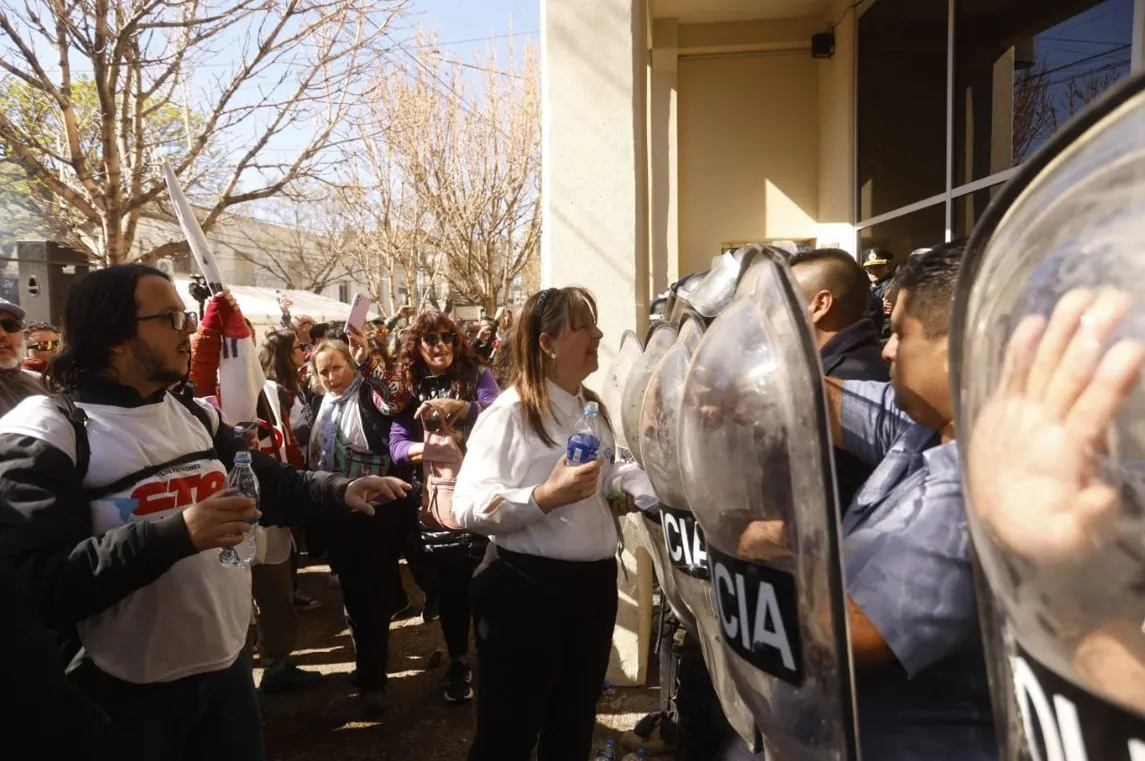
x=468, y=19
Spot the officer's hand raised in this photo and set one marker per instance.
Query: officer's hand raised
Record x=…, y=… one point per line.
x=1033, y=470
x=219, y=521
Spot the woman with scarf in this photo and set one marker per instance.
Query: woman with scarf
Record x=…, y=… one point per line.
x=351, y=436
x=450, y=389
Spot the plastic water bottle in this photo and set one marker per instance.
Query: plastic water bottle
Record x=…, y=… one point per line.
x=584, y=444
x=639, y=755
x=607, y=752
x=241, y=482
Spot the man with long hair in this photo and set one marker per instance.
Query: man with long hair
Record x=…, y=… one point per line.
x=113, y=509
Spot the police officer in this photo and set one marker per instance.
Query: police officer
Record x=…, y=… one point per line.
x=878, y=263
x=112, y=512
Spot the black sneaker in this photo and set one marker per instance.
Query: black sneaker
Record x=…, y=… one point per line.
x=432, y=610
x=285, y=676
x=372, y=702
x=458, y=683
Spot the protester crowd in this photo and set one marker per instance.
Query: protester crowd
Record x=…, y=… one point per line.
x=419, y=437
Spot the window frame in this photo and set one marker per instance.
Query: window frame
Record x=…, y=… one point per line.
x=951, y=192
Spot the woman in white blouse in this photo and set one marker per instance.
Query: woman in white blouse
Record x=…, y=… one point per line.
x=544, y=602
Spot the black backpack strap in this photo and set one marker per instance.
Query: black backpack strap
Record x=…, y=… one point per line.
x=78, y=419
x=145, y=473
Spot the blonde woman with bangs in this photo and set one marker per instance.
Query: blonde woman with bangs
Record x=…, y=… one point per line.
x=544, y=602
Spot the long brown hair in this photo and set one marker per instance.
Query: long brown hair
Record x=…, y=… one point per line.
x=462, y=373
x=550, y=311
x=276, y=355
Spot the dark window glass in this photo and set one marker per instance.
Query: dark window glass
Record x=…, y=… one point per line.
x=901, y=104
x=968, y=209
x=904, y=234
x=1023, y=68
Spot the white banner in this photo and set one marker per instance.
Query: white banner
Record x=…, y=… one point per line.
x=190, y=224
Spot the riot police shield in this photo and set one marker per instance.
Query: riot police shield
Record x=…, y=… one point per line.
x=660, y=338
x=719, y=286
x=758, y=472
x=1046, y=348
x=612, y=390
x=684, y=555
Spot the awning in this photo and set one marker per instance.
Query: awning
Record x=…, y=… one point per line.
x=260, y=305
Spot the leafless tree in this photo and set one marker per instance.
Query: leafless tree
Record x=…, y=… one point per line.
x=298, y=240
x=265, y=89
x=470, y=157
x=387, y=239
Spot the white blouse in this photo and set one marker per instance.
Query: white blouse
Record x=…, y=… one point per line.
x=506, y=461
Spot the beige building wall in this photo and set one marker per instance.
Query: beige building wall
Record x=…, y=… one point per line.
x=748, y=151
x=837, y=135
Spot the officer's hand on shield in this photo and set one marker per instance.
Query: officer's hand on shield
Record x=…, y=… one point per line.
x=374, y=489
x=764, y=540
x=568, y=484
x=1034, y=461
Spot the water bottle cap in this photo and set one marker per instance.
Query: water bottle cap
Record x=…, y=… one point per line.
x=610, y=741
x=591, y=408
x=242, y=458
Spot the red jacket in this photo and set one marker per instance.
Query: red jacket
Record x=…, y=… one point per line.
x=223, y=320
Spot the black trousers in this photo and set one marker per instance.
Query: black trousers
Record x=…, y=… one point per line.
x=364, y=553
x=454, y=577
x=544, y=637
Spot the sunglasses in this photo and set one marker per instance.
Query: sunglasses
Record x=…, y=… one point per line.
x=45, y=345
x=12, y=326
x=179, y=320
x=433, y=339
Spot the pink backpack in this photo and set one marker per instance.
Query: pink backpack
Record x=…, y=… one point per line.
x=440, y=462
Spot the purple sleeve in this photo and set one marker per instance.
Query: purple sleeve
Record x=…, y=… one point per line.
x=487, y=393
x=404, y=433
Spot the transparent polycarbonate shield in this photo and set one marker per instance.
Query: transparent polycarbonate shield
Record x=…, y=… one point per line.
x=685, y=291
x=660, y=339
x=718, y=289
x=1058, y=518
x=612, y=390
x=685, y=554
x=758, y=474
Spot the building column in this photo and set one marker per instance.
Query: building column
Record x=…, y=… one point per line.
x=594, y=106
x=594, y=157
x=663, y=155
x=837, y=135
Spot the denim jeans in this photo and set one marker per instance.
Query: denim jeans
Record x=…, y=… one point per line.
x=206, y=717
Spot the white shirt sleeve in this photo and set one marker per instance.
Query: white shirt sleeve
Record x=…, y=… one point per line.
x=491, y=496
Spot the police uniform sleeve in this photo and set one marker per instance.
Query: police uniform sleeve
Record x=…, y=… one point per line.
x=491, y=496
x=913, y=580
x=46, y=528
x=871, y=420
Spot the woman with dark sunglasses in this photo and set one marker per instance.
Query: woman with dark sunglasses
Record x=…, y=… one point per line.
x=450, y=390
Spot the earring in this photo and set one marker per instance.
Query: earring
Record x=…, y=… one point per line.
x=553, y=355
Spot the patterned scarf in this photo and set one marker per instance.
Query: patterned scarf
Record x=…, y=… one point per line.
x=328, y=429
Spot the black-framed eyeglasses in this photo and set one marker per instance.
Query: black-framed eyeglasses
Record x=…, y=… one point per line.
x=433, y=339
x=12, y=325
x=179, y=320
x=45, y=345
